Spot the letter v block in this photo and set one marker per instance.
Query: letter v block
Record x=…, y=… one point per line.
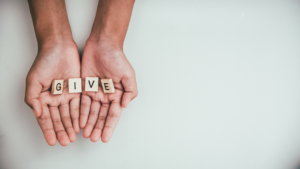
x=75, y=85
x=91, y=84
x=57, y=87
x=108, y=86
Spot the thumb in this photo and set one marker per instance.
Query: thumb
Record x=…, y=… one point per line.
x=130, y=90
x=32, y=94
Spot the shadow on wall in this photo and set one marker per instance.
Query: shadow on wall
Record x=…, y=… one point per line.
x=297, y=166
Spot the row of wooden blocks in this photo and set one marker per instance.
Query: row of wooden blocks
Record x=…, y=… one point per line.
x=91, y=85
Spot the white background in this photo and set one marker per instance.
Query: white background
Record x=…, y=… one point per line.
x=219, y=88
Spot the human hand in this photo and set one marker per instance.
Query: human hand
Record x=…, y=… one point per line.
x=100, y=112
x=53, y=62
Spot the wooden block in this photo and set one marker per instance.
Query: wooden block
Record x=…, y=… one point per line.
x=91, y=84
x=75, y=85
x=108, y=86
x=57, y=87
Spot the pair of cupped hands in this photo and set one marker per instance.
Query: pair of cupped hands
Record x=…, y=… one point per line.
x=62, y=116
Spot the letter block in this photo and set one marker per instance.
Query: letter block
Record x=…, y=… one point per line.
x=75, y=85
x=108, y=86
x=91, y=84
x=57, y=87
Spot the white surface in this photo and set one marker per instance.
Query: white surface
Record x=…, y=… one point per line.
x=218, y=88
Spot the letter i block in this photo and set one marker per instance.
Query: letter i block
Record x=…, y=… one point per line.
x=57, y=87
x=108, y=86
x=91, y=84
x=75, y=85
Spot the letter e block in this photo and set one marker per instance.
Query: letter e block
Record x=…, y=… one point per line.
x=75, y=85
x=108, y=86
x=57, y=87
x=91, y=84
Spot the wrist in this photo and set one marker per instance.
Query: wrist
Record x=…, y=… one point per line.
x=54, y=38
x=111, y=22
x=105, y=38
x=52, y=31
x=104, y=41
x=50, y=22
x=53, y=45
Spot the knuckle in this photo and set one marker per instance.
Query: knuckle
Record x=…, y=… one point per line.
x=97, y=127
x=43, y=117
x=90, y=123
x=113, y=115
x=64, y=105
x=109, y=127
x=47, y=130
x=66, y=118
x=83, y=115
x=57, y=122
x=85, y=104
x=102, y=118
x=59, y=130
x=75, y=118
x=75, y=108
x=52, y=108
x=93, y=112
x=104, y=105
x=69, y=128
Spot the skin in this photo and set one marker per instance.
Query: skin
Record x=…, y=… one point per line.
x=58, y=58
x=56, y=62
x=103, y=57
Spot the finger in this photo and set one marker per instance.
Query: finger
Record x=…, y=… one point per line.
x=96, y=134
x=111, y=121
x=130, y=87
x=32, y=94
x=84, y=110
x=74, y=106
x=95, y=107
x=46, y=125
x=61, y=134
x=65, y=116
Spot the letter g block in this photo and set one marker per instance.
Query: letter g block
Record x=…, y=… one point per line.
x=57, y=87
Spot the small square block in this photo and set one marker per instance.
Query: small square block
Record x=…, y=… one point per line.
x=91, y=84
x=108, y=86
x=57, y=87
x=75, y=85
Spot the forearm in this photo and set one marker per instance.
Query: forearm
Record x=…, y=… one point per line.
x=111, y=21
x=50, y=21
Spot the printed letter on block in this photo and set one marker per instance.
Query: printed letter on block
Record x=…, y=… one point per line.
x=108, y=86
x=57, y=87
x=91, y=84
x=75, y=85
